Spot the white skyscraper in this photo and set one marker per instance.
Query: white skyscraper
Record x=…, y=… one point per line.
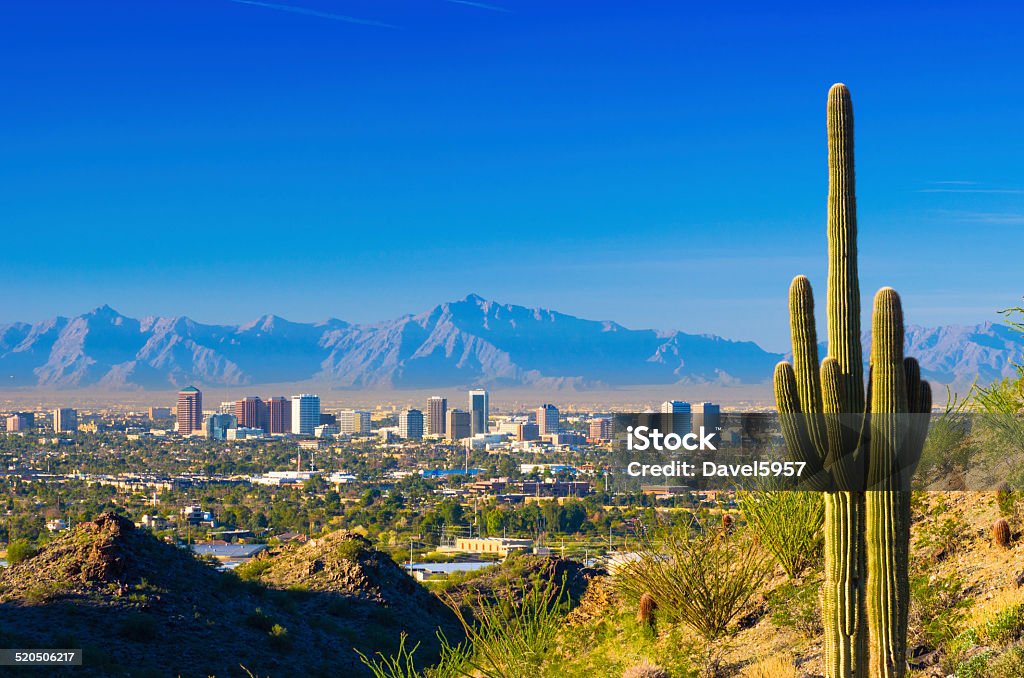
x=305, y=413
x=479, y=410
x=682, y=417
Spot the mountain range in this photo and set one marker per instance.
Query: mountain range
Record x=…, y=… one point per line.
x=470, y=342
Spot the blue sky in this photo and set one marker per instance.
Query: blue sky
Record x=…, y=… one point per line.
x=657, y=163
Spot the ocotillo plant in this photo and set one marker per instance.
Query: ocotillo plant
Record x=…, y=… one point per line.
x=826, y=415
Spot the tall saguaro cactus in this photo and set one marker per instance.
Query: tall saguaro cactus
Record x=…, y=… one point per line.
x=830, y=422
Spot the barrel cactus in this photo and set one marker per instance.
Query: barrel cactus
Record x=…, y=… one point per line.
x=860, y=440
x=1001, y=533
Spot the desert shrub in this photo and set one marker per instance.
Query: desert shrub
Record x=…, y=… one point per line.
x=938, y=607
x=1005, y=625
x=797, y=607
x=1009, y=663
x=958, y=649
x=402, y=664
x=44, y=592
x=945, y=535
x=139, y=627
x=645, y=669
x=20, y=550
x=975, y=667
x=1006, y=500
x=788, y=524
x=258, y=620
x=350, y=549
x=252, y=570
x=775, y=666
x=511, y=637
x=279, y=638
x=703, y=579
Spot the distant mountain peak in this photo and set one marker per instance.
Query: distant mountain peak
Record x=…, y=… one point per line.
x=468, y=342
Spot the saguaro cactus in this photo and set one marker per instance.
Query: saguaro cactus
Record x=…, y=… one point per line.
x=827, y=421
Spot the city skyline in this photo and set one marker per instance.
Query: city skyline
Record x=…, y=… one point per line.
x=547, y=164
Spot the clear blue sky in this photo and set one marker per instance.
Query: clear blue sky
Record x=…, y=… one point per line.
x=657, y=163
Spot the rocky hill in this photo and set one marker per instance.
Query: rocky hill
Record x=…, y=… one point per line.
x=140, y=607
x=472, y=341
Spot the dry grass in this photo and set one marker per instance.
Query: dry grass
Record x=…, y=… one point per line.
x=775, y=666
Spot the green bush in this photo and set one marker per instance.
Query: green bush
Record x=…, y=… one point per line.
x=703, y=579
x=351, y=549
x=938, y=607
x=975, y=667
x=252, y=570
x=797, y=607
x=279, y=638
x=1010, y=663
x=258, y=620
x=20, y=550
x=1006, y=625
x=788, y=524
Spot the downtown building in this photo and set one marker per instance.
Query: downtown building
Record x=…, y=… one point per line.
x=410, y=425
x=354, y=422
x=20, y=422
x=679, y=419
x=305, y=414
x=437, y=407
x=279, y=415
x=251, y=412
x=189, y=412
x=479, y=411
x=547, y=419
x=65, y=420
x=458, y=425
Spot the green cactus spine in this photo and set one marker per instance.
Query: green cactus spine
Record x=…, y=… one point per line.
x=855, y=439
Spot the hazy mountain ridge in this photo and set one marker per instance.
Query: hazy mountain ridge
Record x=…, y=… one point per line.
x=472, y=341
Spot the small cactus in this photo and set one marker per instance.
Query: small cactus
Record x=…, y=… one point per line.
x=1001, y=533
x=728, y=522
x=645, y=610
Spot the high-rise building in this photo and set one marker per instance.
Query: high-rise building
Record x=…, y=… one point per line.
x=21, y=421
x=681, y=419
x=547, y=419
x=251, y=412
x=218, y=425
x=709, y=415
x=159, y=413
x=354, y=422
x=279, y=415
x=478, y=411
x=601, y=428
x=410, y=425
x=189, y=413
x=436, y=409
x=65, y=419
x=458, y=425
x=305, y=413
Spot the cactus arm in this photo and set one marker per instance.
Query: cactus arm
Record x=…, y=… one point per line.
x=887, y=519
x=844, y=341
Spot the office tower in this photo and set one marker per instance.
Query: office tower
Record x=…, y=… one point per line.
x=226, y=407
x=478, y=411
x=328, y=419
x=547, y=419
x=709, y=415
x=218, y=425
x=354, y=422
x=159, y=413
x=189, y=413
x=21, y=421
x=527, y=431
x=305, y=413
x=436, y=409
x=279, y=415
x=65, y=420
x=251, y=412
x=458, y=425
x=601, y=428
x=680, y=420
x=410, y=425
